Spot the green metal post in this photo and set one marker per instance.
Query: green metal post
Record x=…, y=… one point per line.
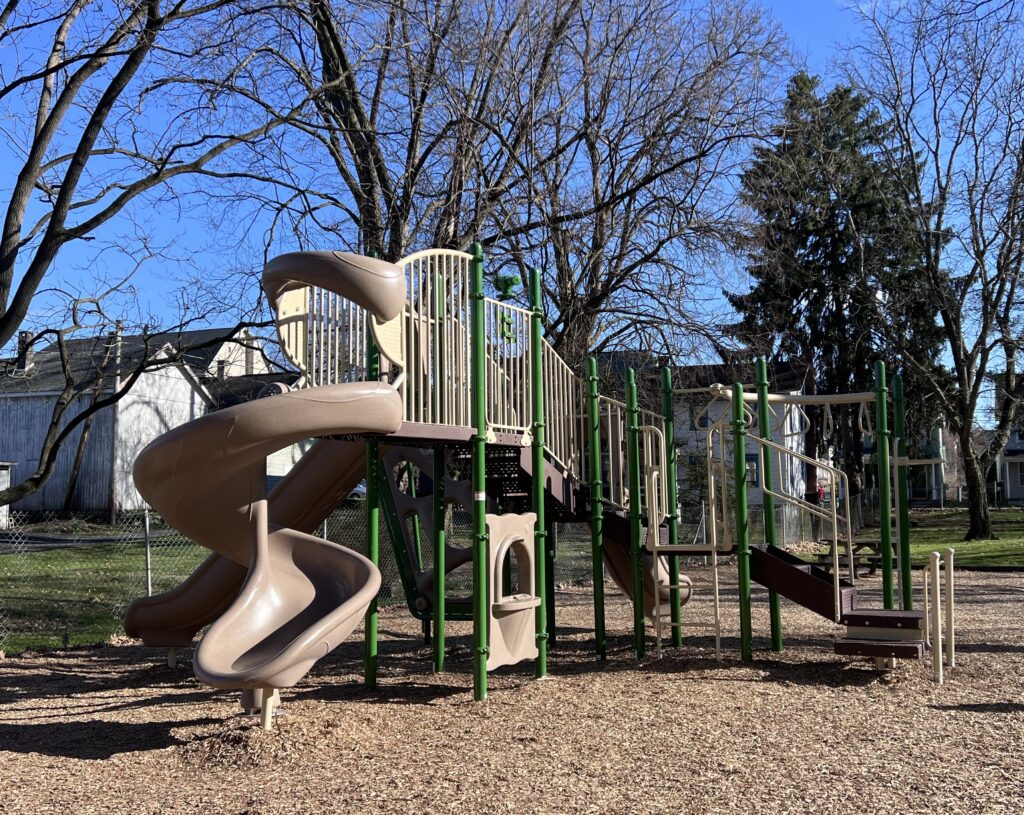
x=596, y=507
x=668, y=411
x=902, y=493
x=372, y=524
x=635, y=528
x=540, y=531
x=739, y=455
x=884, y=488
x=767, y=486
x=478, y=355
x=439, y=557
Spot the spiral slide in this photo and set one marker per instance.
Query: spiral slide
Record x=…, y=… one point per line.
x=280, y=598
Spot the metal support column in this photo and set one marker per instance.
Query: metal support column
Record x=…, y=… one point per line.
x=635, y=528
x=372, y=524
x=668, y=411
x=767, y=487
x=902, y=493
x=596, y=506
x=478, y=390
x=440, y=578
x=742, y=520
x=540, y=531
x=884, y=487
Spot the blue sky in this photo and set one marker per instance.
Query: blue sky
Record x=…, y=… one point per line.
x=814, y=27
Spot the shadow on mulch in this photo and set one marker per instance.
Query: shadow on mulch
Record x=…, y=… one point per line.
x=93, y=740
x=990, y=648
x=20, y=680
x=982, y=707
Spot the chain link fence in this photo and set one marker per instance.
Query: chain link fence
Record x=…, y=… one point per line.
x=67, y=580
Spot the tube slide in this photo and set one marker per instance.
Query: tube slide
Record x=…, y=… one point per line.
x=279, y=598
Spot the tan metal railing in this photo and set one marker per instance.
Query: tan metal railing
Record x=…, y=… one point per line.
x=507, y=330
x=563, y=412
x=613, y=467
x=427, y=352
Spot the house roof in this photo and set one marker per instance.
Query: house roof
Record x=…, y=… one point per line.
x=89, y=357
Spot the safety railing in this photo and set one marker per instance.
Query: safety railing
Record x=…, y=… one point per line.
x=942, y=643
x=719, y=477
x=612, y=414
x=507, y=329
x=652, y=467
x=564, y=400
x=437, y=347
x=427, y=353
x=839, y=486
x=324, y=334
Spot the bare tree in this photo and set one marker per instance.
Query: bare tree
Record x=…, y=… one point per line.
x=594, y=138
x=950, y=76
x=109, y=109
x=656, y=109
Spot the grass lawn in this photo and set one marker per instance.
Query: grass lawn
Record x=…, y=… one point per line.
x=77, y=595
x=938, y=529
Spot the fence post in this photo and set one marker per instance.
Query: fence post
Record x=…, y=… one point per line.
x=767, y=487
x=739, y=457
x=936, y=612
x=635, y=531
x=884, y=488
x=149, y=554
x=950, y=617
x=478, y=390
x=540, y=529
x=596, y=507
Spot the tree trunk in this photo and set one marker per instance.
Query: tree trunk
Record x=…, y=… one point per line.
x=980, y=526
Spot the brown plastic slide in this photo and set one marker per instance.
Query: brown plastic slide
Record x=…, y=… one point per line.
x=301, y=500
x=617, y=562
x=281, y=598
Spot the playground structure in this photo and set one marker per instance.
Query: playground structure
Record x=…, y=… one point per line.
x=444, y=398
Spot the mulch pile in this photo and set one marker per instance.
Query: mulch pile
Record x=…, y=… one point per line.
x=112, y=729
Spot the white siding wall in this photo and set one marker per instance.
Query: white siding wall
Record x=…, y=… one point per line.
x=23, y=424
x=279, y=463
x=785, y=427
x=1013, y=487
x=160, y=400
x=237, y=361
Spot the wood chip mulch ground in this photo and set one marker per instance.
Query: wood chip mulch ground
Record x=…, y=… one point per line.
x=113, y=730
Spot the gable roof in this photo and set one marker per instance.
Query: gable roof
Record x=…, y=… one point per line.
x=89, y=357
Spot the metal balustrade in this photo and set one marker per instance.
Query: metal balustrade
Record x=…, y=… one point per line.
x=426, y=353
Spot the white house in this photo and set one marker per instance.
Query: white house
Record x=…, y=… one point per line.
x=93, y=468
x=696, y=411
x=1013, y=467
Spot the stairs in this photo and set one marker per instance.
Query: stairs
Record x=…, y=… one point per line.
x=878, y=633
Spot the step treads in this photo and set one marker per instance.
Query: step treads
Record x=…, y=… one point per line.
x=884, y=618
x=880, y=648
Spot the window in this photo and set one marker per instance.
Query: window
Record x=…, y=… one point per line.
x=753, y=466
x=1020, y=476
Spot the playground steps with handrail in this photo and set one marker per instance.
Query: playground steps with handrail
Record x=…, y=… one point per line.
x=879, y=633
